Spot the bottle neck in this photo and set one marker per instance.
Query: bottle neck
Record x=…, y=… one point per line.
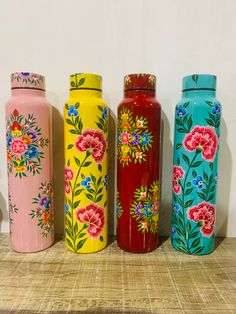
x=85, y=93
x=28, y=92
x=199, y=93
x=139, y=93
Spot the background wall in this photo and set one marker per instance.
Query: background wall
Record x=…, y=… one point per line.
x=170, y=38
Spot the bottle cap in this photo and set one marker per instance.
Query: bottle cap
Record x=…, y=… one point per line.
x=27, y=80
x=85, y=81
x=199, y=82
x=141, y=81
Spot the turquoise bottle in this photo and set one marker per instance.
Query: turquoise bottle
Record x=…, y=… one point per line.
x=195, y=163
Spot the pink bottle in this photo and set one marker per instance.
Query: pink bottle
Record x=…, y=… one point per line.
x=28, y=122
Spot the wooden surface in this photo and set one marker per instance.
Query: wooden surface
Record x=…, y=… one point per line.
x=113, y=281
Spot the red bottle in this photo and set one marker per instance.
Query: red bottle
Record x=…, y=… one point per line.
x=138, y=165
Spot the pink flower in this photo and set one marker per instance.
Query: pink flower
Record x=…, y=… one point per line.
x=125, y=137
x=92, y=139
x=18, y=146
x=69, y=174
x=67, y=187
x=178, y=173
x=203, y=138
x=204, y=215
x=93, y=216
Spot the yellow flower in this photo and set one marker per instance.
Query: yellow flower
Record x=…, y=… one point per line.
x=155, y=189
x=124, y=116
x=16, y=132
x=125, y=149
x=20, y=168
x=155, y=218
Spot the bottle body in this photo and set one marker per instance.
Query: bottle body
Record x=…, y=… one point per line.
x=138, y=170
x=85, y=127
x=28, y=131
x=196, y=144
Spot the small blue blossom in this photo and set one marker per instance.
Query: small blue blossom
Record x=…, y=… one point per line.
x=9, y=141
x=197, y=182
x=105, y=113
x=173, y=232
x=86, y=183
x=73, y=111
x=118, y=137
x=176, y=207
x=105, y=180
x=118, y=210
x=67, y=208
x=216, y=109
x=145, y=139
x=181, y=111
x=32, y=152
x=47, y=204
x=147, y=210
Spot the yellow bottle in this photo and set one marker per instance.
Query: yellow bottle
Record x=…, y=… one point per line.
x=85, y=132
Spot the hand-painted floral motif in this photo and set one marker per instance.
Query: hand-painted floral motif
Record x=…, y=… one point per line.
x=145, y=208
x=197, y=182
x=215, y=114
x=12, y=209
x=69, y=175
x=204, y=215
x=93, y=218
x=178, y=173
x=24, y=145
x=118, y=207
x=44, y=211
x=27, y=77
x=134, y=139
x=204, y=139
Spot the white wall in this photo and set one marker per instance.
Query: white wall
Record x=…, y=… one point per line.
x=170, y=38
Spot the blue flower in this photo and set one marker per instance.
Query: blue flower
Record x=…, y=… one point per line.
x=26, y=74
x=118, y=210
x=105, y=113
x=9, y=141
x=181, y=111
x=197, y=182
x=173, y=232
x=176, y=207
x=67, y=208
x=32, y=152
x=72, y=111
x=47, y=204
x=105, y=180
x=145, y=139
x=147, y=210
x=216, y=109
x=86, y=183
x=118, y=138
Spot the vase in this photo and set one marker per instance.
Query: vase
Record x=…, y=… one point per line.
x=29, y=162
x=196, y=145
x=85, y=130
x=138, y=165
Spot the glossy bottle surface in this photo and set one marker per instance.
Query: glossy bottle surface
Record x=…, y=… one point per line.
x=196, y=145
x=28, y=131
x=85, y=127
x=138, y=170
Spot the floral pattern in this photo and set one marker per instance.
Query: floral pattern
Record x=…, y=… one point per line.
x=44, y=211
x=25, y=145
x=27, y=77
x=178, y=173
x=134, y=138
x=91, y=145
x=119, y=209
x=12, y=209
x=145, y=208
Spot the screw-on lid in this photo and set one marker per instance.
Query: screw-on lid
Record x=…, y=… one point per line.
x=199, y=82
x=86, y=81
x=141, y=81
x=27, y=80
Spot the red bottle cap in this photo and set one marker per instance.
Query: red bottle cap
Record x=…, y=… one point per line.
x=27, y=80
x=140, y=81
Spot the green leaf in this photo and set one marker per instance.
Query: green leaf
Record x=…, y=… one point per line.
x=211, y=165
x=67, y=106
x=180, y=130
x=188, y=191
x=70, y=146
x=80, y=244
x=210, y=197
x=196, y=242
x=186, y=159
x=74, y=131
x=99, y=198
x=188, y=203
x=69, y=122
x=178, y=161
x=185, y=105
x=87, y=163
x=194, y=234
x=190, y=123
x=101, y=238
x=210, y=122
x=195, y=78
x=202, y=196
x=196, y=164
x=205, y=176
x=81, y=235
x=198, y=250
x=77, y=105
x=89, y=196
x=82, y=176
x=69, y=243
x=76, y=204
x=100, y=167
x=194, y=173
x=185, y=119
x=77, y=161
x=81, y=82
x=78, y=192
x=188, y=227
x=100, y=108
x=178, y=146
x=210, y=103
x=76, y=228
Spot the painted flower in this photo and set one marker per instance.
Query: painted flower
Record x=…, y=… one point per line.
x=173, y=232
x=139, y=155
x=32, y=152
x=204, y=215
x=125, y=158
x=125, y=126
x=105, y=113
x=9, y=141
x=138, y=209
x=118, y=137
x=176, y=208
x=145, y=139
x=32, y=134
x=181, y=111
x=216, y=109
x=86, y=183
x=197, y=182
x=105, y=181
x=93, y=216
x=178, y=173
x=155, y=207
x=125, y=149
x=24, y=74
x=139, y=123
x=92, y=139
x=18, y=146
x=16, y=128
x=26, y=139
x=204, y=139
x=118, y=210
x=69, y=174
x=125, y=137
x=147, y=210
x=67, y=187
x=144, y=225
x=151, y=79
x=15, y=113
x=72, y=111
x=48, y=202
x=19, y=168
x=46, y=217
x=67, y=208
x=135, y=138
x=42, y=201
x=127, y=79
x=143, y=194
x=124, y=116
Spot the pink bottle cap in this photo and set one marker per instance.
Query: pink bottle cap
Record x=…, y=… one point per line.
x=27, y=80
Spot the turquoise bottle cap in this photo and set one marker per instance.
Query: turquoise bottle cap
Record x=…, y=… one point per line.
x=199, y=82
